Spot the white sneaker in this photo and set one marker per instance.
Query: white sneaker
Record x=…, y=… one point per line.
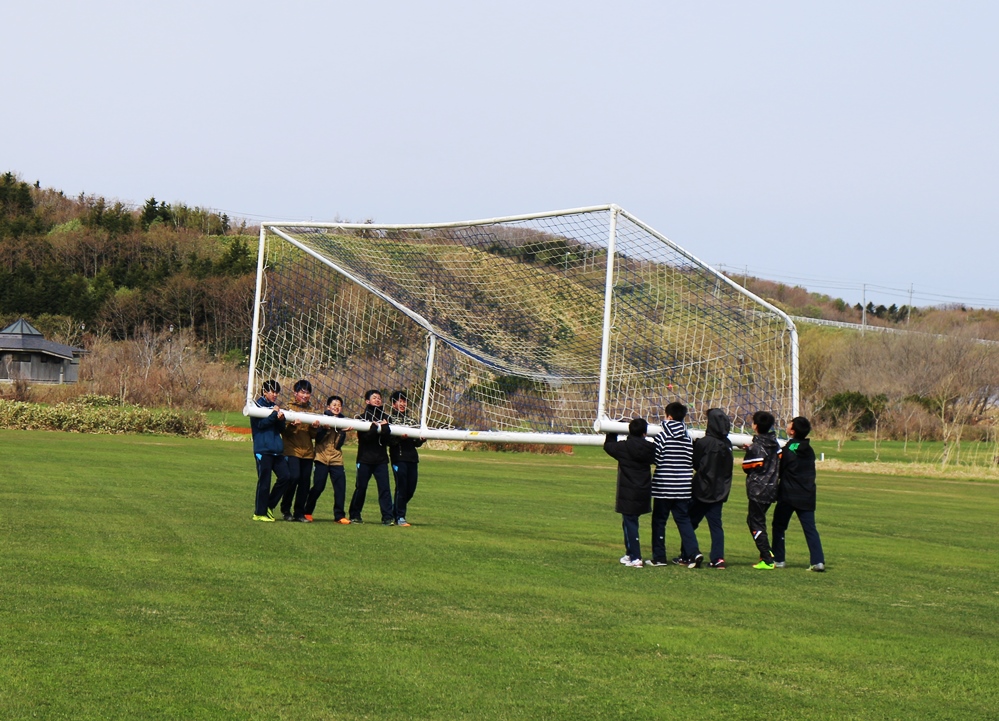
x=637, y=563
x=625, y=560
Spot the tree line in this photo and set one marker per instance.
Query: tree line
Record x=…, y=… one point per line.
x=87, y=264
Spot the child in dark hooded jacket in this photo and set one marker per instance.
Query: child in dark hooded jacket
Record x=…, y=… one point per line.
x=634, y=457
x=712, y=482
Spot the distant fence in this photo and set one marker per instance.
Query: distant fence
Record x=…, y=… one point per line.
x=878, y=328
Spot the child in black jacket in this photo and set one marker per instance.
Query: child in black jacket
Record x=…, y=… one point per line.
x=634, y=457
x=796, y=494
x=405, y=458
x=761, y=468
x=372, y=460
x=712, y=482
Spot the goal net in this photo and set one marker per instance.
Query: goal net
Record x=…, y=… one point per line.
x=542, y=328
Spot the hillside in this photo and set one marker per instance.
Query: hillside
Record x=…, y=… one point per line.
x=90, y=266
x=161, y=295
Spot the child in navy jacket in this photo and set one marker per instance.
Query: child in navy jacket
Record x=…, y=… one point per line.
x=268, y=451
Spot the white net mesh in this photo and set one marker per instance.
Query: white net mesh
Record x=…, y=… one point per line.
x=516, y=309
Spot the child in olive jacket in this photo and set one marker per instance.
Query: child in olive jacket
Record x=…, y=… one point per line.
x=329, y=464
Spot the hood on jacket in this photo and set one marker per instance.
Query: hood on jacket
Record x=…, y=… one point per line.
x=674, y=429
x=718, y=424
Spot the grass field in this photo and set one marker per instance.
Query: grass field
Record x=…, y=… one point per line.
x=134, y=585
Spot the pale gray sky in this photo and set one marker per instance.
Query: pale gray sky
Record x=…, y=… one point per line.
x=836, y=143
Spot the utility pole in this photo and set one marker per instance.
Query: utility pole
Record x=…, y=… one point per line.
x=863, y=309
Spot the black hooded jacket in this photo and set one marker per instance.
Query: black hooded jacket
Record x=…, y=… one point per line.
x=713, y=460
x=634, y=456
x=797, y=475
x=761, y=465
x=372, y=444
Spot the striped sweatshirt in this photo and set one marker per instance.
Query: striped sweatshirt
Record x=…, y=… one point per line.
x=674, y=462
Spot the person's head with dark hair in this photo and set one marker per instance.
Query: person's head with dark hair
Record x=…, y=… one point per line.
x=763, y=422
x=399, y=401
x=303, y=392
x=638, y=427
x=373, y=410
x=271, y=386
x=334, y=404
x=799, y=427
x=676, y=411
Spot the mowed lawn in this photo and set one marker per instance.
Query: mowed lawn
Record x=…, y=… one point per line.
x=134, y=585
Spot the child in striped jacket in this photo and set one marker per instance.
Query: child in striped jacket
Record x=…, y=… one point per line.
x=671, y=488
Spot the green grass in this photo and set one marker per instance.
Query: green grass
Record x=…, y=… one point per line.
x=234, y=419
x=971, y=453
x=134, y=585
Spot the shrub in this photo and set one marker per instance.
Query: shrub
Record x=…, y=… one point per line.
x=97, y=418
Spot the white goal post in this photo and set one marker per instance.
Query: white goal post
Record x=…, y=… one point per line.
x=545, y=328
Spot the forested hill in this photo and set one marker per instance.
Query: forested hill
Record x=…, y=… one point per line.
x=86, y=262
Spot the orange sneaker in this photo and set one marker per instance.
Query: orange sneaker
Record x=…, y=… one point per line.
x=344, y=521
x=308, y=517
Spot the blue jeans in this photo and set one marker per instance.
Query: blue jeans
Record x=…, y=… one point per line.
x=364, y=473
x=661, y=508
x=782, y=516
x=266, y=498
x=300, y=470
x=338, y=478
x=629, y=524
x=699, y=510
x=406, y=476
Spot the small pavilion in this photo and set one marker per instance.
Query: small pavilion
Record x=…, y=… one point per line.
x=25, y=354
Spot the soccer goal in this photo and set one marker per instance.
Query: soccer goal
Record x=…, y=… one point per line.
x=545, y=328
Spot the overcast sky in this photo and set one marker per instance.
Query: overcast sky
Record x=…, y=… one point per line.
x=830, y=144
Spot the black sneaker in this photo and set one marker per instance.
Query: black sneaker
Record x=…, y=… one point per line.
x=696, y=561
x=356, y=520
x=680, y=561
x=301, y=519
x=288, y=517
x=657, y=562
x=720, y=563
x=388, y=523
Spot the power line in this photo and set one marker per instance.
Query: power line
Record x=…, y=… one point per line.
x=816, y=282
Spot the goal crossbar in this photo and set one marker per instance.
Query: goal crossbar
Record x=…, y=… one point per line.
x=593, y=439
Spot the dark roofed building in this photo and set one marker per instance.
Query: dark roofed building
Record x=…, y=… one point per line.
x=24, y=353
